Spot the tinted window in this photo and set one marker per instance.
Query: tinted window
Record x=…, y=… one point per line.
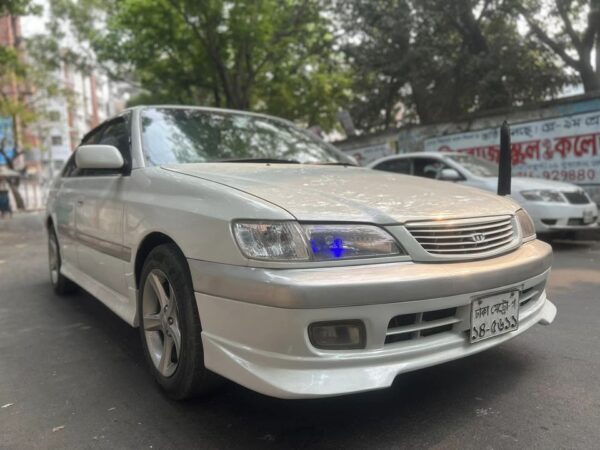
x=116, y=133
x=428, y=167
x=400, y=165
x=178, y=135
x=70, y=170
x=93, y=136
x=477, y=166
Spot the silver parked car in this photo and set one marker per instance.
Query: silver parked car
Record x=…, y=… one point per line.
x=242, y=246
x=554, y=206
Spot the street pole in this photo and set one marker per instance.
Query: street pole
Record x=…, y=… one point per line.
x=505, y=162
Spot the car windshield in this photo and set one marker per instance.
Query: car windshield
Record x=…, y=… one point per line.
x=477, y=166
x=179, y=136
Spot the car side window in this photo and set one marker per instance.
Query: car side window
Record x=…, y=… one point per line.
x=93, y=136
x=428, y=167
x=399, y=165
x=115, y=133
x=70, y=169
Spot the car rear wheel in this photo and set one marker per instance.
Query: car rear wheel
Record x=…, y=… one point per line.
x=60, y=283
x=170, y=326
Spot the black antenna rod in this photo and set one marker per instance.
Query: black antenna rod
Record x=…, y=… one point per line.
x=504, y=172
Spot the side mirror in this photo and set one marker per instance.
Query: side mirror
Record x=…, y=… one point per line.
x=98, y=157
x=449, y=174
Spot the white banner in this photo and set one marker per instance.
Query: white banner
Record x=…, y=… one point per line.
x=565, y=148
x=366, y=155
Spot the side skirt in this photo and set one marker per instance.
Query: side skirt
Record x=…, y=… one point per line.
x=116, y=302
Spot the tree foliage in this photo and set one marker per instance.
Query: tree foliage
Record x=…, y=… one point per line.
x=386, y=61
x=570, y=29
x=269, y=55
x=438, y=60
x=18, y=7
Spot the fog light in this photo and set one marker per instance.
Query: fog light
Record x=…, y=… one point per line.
x=338, y=335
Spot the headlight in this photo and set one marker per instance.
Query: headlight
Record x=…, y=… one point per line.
x=349, y=241
x=543, y=196
x=290, y=241
x=271, y=240
x=525, y=224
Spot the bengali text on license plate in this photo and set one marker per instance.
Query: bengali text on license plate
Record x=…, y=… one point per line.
x=494, y=315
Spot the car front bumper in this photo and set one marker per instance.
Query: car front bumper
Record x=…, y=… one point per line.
x=255, y=321
x=555, y=217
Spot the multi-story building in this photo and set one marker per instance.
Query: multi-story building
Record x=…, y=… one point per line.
x=89, y=99
x=86, y=99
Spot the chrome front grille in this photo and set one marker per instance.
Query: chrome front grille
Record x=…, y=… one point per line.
x=466, y=237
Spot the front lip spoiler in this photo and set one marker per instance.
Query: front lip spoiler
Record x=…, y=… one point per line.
x=330, y=287
x=289, y=377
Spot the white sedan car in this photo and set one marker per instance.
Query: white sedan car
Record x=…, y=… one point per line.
x=243, y=246
x=554, y=206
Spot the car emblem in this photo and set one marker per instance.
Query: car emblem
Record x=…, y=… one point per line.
x=478, y=237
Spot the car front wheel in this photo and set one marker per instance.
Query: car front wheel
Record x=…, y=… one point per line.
x=170, y=326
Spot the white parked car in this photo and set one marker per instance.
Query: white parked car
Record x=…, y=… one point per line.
x=243, y=246
x=554, y=206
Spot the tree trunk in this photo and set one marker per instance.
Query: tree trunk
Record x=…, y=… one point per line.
x=589, y=78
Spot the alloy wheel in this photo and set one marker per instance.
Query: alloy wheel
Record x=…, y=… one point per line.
x=161, y=326
x=53, y=261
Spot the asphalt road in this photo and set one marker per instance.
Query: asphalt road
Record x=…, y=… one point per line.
x=73, y=376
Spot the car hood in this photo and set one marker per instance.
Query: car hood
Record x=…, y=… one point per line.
x=525, y=184
x=338, y=193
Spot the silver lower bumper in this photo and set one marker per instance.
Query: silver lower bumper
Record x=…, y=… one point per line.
x=255, y=321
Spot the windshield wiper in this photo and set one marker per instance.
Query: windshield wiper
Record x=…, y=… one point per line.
x=335, y=164
x=261, y=160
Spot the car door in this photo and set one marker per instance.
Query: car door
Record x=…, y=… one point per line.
x=100, y=214
x=64, y=213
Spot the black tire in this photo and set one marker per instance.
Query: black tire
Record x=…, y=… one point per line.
x=190, y=377
x=61, y=284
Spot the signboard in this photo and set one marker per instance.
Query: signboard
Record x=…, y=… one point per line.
x=565, y=148
x=6, y=137
x=366, y=155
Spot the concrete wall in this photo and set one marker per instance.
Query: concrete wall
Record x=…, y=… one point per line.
x=411, y=138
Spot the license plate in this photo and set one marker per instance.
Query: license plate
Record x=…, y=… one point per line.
x=494, y=315
x=588, y=216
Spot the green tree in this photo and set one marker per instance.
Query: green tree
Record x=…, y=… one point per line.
x=576, y=39
x=18, y=7
x=435, y=60
x=269, y=55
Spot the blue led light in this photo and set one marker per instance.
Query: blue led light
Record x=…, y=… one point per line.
x=337, y=248
x=331, y=246
x=314, y=246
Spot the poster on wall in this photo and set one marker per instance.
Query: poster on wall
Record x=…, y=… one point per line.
x=565, y=148
x=6, y=138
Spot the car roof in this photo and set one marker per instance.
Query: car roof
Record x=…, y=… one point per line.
x=132, y=109
x=207, y=109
